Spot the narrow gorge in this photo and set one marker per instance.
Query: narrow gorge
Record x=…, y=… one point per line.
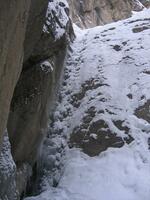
x=75, y=100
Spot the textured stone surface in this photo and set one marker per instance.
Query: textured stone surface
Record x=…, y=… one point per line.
x=34, y=30
x=146, y=3
x=98, y=12
x=90, y=13
x=29, y=109
x=143, y=112
x=13, y=18
x=33, y=94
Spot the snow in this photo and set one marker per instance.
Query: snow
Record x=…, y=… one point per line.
x=118, y=174
x=46, y=66
x=121, y=73
x=7, y=164
x=117, y=57
x=114, y=175
x=7, y=171
x=57, y=18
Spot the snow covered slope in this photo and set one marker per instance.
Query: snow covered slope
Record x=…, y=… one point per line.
x=103, y=110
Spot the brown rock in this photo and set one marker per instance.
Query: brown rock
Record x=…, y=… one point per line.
x=95, y=137
x=13, y=18
x=143, y=111
x=98, y=12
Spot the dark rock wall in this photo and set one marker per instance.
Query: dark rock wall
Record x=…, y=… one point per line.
x=33, y=94
x=13, y=20
x=34, y=29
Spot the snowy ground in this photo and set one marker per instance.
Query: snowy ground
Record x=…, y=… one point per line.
x=118, y=56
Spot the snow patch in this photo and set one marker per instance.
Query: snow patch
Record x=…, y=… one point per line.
x=57, y=18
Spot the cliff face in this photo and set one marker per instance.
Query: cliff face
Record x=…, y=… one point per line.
x=13, y=21
x=146, y=3
x=32, y=96
x=90, y=13
x=33, y=48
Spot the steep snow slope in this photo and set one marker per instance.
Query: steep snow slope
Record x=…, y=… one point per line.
x=104, y=103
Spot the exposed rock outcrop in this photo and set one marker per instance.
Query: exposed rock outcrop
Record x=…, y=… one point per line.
x=90, y=13
x=31, y=101
x=146, y=3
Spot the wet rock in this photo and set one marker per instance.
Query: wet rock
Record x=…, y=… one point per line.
x=137, y=5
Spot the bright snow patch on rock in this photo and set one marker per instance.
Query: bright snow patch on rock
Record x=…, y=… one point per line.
x=46, y=66
x=57, y=18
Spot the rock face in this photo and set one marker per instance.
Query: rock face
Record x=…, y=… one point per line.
x=33, y=94
x=34, y=28
x=90, y=13
x=40, y=41
x=146, y=3
x=13, y=20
